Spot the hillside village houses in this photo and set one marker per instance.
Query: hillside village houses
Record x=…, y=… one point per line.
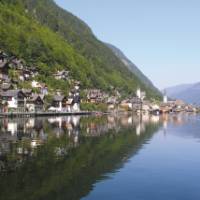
x=35, y=103
x=61, y=75
x=95, y=96
x=134, y=103
x=62, y=103
x=168, y=106
x=14, y=70
x=13, y=99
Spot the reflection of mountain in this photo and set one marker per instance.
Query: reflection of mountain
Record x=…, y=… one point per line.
x=72, y=176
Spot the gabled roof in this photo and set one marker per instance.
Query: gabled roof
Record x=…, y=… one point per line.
x=69, y=101
x=58, y=98
x=11, y=93
x=34, y=98
x=3, y=55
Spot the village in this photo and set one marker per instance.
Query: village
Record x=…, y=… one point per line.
x=37, y=98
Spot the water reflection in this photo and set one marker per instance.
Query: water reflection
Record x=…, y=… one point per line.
x=182, y=125
x=62, y=157
x=21, y=137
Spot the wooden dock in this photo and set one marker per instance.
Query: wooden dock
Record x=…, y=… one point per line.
x=43, y=114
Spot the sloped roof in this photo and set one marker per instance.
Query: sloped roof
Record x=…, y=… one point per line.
x=58, y=97
x=5, y=86
x=26, y=91
x=11, y=93
x=3, y=64
x=34, y=98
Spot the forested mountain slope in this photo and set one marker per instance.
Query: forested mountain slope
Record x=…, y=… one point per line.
x=51, y=38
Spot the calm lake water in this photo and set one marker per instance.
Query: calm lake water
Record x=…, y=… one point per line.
x=120, y=157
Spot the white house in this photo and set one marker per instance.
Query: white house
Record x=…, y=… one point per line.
x=35, y=103
x=35, y=84
x=13, y=98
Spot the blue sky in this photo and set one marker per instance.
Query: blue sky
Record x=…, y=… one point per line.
x=161, y=37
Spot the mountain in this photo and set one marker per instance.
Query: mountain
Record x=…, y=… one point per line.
x=47, y=36
x=189, y=93
x=132, y=67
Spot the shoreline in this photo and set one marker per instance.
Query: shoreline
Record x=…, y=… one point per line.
x=42, y=114
x=80, y=113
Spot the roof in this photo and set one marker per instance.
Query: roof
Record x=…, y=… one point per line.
x=58, y=98
x=69, y=101
x=3, y=64
x=11, y=93
x=3, y=55
x=4, y=76
x=34, y=97
x=26, y=91
x=42, y=96
x=5, y=86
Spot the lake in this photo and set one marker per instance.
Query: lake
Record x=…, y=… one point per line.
x=120, y=157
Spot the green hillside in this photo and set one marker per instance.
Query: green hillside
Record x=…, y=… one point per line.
x=49, y=37
x=132, y=67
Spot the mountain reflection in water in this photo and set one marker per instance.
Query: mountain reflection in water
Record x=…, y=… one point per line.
x=63, y=157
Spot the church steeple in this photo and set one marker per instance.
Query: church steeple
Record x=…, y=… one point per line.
x=165, y=99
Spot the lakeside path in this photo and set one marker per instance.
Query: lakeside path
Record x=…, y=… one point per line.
x=35, y=114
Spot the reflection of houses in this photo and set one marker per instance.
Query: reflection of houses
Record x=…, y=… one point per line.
x=18, y=138
x=70, y=123
x=30, y=123
x=140, y=128
x=12, y=127
x=13, y=98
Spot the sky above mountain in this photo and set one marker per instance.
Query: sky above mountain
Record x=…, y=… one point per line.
x=160, y=37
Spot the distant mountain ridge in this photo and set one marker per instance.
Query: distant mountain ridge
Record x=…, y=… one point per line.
x=132, y=67
x=190, y=93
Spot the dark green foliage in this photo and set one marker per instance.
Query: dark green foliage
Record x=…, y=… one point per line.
x=49, y=37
